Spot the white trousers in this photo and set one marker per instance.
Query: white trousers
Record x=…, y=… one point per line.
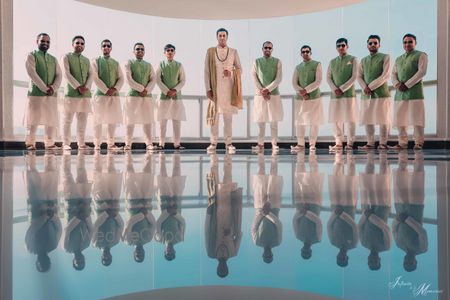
x=273, y=132
x=176, y=125
x=338, y=131
x=81, y=127
x=313, y=133
x=111, y=129
x=418, y=135
x=30, y=138
x=147, y=128
x=370, y=133
x=227, y=129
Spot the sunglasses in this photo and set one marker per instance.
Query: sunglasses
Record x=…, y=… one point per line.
x=267, y=48
x=139, y=49
x=306, y=52
x=341, y=45
x=79, y=43
x=372, y=43
x=407, y=42
x=170, y=50
x=44, y=42
x=106, y=46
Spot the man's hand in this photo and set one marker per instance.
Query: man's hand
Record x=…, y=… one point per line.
x=403, y=87
x=303, y=92
x=226, y=73
x=367, y=91
x=111, y=92
x=143, y=93
x=306, y=97
x=82, y=89
x=50, y=90
x=172, y=93
x=338, y=92
x=209, y=94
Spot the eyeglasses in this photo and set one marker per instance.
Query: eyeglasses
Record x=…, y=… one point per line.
x=306, y=52
x=372, y=43
x=106, y=46
x=139, y=49
x=79, y=43
x=267, y=48
x=407, y=42
x=170, y=50
x=341, y=45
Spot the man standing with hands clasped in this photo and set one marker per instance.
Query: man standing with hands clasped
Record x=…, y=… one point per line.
x=77, y=100
x=407, y=75
x=106, y=103
x=42, y=107
x=341, y=77
x=139, y=103
x=267, y=106
x=376, y=99
x=171, y=78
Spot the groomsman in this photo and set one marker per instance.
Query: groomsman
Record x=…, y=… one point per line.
x=308, y=107
x=407, y=75
x=42, y=107
x=376, y=99
x=138, y=107
x=77, y=100
x=341, y=77
x=106, y=103
x=171, y=79
x=267, y=106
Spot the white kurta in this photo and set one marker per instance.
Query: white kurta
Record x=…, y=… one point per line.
x=308, y=112
x=267, y=110
x=139, y=185
x=375, y=111
x=79, y=188
x=72, y=104
x=343, y=109
x=410, y=112
x=376, y=188
x=139, y=110
x=224, y=84
x=170, y=109
x=107, y=109
x=42, y=110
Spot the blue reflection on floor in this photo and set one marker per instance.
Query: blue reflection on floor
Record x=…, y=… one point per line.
x=351, y=225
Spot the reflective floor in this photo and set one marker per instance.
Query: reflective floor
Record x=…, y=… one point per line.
x=339, y=226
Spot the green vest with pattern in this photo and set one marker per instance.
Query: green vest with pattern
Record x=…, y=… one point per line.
x=341, y=72
x=79, y=69
x=170, y=76
x=306, y=75
x=372, y=69
x=266, y=70
x=46, y=69
x=141, y=73
x=108, y=72
x=408, y=65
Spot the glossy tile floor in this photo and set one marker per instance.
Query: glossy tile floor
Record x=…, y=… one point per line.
x=127, y=225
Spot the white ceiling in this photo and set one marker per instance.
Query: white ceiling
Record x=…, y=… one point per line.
x=221, y=10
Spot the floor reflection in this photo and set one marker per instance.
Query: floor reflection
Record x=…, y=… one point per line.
x=232, y=213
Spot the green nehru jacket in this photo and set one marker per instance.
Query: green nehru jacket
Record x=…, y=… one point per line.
x=372, y=69
x=170, y=76
x=266, y=70
x=341, y=72
x=46, y=69
x=407, y=65
x=79, y=69
x=306, y=75
x=108, y=72
x=141, y=73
